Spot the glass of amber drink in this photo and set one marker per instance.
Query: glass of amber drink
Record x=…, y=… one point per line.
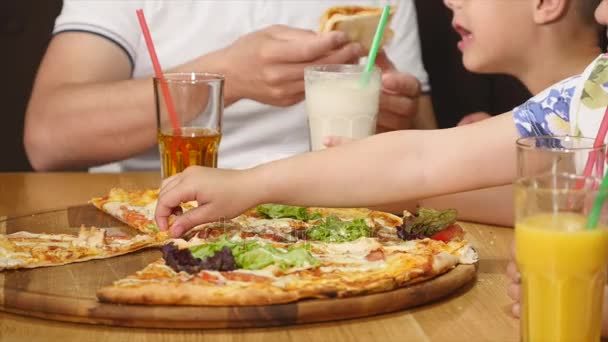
x=189, y=120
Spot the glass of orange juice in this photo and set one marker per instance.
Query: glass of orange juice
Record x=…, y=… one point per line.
x=562, y=263
x=189, y=119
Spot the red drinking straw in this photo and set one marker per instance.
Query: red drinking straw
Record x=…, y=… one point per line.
x=163, y=85
x=598, y=142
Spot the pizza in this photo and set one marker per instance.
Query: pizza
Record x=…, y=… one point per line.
x=30, y=250
x=135, y=208
x=277, y=254
x=358, y=22
x=270, y=254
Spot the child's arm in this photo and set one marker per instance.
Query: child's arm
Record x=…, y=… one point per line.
x=385, y=168
x=395, y=166
x=489, y=206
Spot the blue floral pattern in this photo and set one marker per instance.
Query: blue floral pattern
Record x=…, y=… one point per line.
x=547, y=113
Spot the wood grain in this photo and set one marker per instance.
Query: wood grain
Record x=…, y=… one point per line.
x=477, y=313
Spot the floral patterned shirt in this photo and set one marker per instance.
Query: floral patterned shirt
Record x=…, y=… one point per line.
x=574, y=106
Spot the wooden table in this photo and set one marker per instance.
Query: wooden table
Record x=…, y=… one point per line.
x=478, y=313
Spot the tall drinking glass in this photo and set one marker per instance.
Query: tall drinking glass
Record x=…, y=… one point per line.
x=562, y=263
x=340, y=103
x=191, y=134
x=559, y=154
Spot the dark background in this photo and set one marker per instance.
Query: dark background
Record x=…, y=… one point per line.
x=25, y=30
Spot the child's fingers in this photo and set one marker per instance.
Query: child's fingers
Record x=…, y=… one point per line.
x=190, y=219
x=331, y=141
x=171, y=199
x=514, y=291
x=513, y=273
x=515, y=310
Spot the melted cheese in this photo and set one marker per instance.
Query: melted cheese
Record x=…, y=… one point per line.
x=359, y=267
x=467, y=255
x=10, y=262
x=59, y=244
x=358, y=248
x=147, y=211
x=407, y=247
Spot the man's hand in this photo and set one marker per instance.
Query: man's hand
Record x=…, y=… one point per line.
x=268, y=65
x=399, y=97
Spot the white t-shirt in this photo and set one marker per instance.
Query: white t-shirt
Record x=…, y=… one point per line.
x=253, y=132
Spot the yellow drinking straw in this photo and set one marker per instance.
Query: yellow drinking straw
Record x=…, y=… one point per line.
x=373, y=51
x=598, y=203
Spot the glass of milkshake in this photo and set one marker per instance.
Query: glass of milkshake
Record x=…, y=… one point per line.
x=342, y=100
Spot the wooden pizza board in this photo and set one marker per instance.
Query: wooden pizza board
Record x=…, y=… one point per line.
x=67, y=293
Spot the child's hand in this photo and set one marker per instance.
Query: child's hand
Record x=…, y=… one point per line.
x=514, y=287
x=219, y=193
x=514, y=283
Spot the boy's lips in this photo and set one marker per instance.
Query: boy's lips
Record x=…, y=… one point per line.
x=467, y=36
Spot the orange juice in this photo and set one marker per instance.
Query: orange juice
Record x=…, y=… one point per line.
x=194, y=146
x=563, y=267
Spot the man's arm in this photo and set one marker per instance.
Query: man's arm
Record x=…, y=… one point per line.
x=425, y=118
x=85, y=109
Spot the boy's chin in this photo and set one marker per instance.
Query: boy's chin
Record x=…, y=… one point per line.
x=478, y=64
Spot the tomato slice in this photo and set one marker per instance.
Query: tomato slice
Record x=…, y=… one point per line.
x=450, y=233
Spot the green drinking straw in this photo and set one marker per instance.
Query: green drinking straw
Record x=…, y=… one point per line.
x=373, y=51
x=598, y=203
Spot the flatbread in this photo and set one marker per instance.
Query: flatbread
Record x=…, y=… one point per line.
x=358, y=22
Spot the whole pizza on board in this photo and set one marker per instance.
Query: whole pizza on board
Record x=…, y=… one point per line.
x=276, y=254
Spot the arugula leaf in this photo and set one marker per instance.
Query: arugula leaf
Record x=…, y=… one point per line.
x=286, y=211
x=332, y=229
x=426, y=223
x=153, y=227
x=253, y=255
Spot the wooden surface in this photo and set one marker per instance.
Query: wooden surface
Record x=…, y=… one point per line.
x=479, y=313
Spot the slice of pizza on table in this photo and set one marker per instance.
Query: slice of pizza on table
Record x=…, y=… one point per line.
x=136, y=209
x=31, y=250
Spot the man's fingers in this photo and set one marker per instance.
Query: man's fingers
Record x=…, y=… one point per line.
x=284, y=32
x=383, y=62
x=188, y=220
x=401, y=105
x=304, y=50
x=343, y=55
x=399, y=83
x=332, y=141
x=396, y=112
x=287, y=72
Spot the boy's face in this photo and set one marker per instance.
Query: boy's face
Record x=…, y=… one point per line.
x=494, y=32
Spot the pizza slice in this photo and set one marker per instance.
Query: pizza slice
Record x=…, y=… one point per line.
x=136, y=209
x=30, y=250
x=358, y=22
